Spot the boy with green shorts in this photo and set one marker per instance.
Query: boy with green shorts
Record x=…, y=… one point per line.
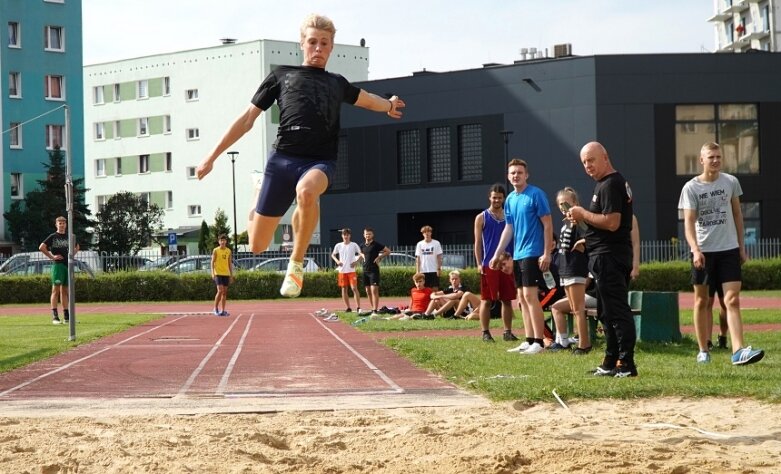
x=55, y=247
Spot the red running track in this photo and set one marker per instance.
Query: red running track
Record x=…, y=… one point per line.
x=274, y=349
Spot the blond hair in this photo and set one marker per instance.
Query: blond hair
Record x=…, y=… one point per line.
x=318, y=22
x=568, y=191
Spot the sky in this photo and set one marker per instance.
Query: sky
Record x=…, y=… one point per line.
x=436, y=35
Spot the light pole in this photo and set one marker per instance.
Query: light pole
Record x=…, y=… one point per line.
x=233, y=154
x=506, y=137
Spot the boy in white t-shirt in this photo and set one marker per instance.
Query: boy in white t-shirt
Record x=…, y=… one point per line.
x=428, y=258
x=345, y=255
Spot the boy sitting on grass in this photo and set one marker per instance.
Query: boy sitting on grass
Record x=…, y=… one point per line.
x=420, y=297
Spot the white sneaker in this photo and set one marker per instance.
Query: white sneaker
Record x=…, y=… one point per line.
x=524, y=345
x=703, y=357
x=294, y=280
x=332, y=317
x=321, y=312
x=572, y=340
x=535, y=348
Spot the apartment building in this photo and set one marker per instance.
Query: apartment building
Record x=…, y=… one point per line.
x=41, y=71
x=745, y=25
x=150, y=121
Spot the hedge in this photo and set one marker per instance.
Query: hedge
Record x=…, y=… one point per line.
x=164, y=286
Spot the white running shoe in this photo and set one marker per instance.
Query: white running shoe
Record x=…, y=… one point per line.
x=535, y=348
x=332, y=317
x=294, y=280
x=524, y=345
x=703, y=357
x=321, y=312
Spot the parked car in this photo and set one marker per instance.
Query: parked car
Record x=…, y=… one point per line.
x=280, y=265
x=395, y=259
x=453, y=261
x=159, y=263
x=197, y=263
x=44, y=267
x=116, y=263
x=247, y=263
x=90, y=258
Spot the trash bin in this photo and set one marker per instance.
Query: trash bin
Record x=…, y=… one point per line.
x=658, y=320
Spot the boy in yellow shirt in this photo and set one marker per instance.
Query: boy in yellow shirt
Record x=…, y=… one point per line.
x=222, y=274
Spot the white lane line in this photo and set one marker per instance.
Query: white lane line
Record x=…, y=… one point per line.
x=229, y=369
x=71, y=364
x=197, y=371
x=393, y=385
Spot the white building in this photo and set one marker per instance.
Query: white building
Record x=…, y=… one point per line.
x=743, y=25
x=150, y=121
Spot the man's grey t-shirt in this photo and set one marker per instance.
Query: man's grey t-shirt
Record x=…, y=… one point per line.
x=715, y=224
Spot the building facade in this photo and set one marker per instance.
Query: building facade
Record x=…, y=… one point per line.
x=652, y=112
x=151, y=120
x=40, y=72
x=745, y=25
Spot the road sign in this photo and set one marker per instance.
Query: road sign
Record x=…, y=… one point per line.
x=172, y=244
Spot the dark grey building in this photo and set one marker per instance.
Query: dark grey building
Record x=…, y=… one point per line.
x=652, y=113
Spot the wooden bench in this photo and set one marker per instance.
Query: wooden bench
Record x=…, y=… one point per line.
x=661, y=311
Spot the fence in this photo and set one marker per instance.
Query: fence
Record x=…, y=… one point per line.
x=455, y=256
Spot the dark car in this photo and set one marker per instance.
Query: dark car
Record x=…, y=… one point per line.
x=44, y=267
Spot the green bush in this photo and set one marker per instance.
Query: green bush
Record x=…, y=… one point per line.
x=165, y=286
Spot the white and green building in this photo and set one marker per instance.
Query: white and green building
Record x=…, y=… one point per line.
x=150, y=121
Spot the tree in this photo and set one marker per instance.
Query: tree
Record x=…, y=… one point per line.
x=203, y=239
x=220, y=227
x=127, y=223
x=31, y=220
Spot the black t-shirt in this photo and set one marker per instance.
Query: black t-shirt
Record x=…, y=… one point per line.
x=611, y=194
x=310, y=101
x=572, y=263
x=371, y=252
x=58, y=245
x=450, y=290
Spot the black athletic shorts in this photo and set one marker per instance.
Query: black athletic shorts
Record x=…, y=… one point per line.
x=720, y=267
x=527, y=272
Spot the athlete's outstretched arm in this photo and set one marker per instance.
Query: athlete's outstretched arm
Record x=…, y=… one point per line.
x=369, y=101
x=238, y=128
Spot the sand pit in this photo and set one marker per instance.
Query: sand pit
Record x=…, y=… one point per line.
x=655, y=435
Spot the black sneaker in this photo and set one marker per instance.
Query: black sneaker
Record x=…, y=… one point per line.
x=555, y=347
x=56, y=320
x=606, y=369
x=348, y=310
x=625, y=370
x=508, y=336
x=580, y=351
x=487, y=337
x=722, y=342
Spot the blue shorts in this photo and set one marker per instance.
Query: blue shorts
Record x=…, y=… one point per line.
x=280, y=178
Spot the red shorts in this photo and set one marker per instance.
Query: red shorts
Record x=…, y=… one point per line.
x=347, y=279
x=496, y=285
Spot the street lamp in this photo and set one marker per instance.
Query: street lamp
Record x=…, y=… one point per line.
x=506, y=137
x=233, y=154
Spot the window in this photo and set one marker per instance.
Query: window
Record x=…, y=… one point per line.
x=54, y=137
x=730, y=30
x=765, y=16
x=169, y=160
x=14, y=84
x=194, y=210
x=143, y=127
x=14, y=35
x=409, y=156
x=117, y=129
x=470, y=152
x=97, y=95
x=54, y=38
x=118, y=163
x=166, y=85
x=166, y=124
x=145, y=198
x=143, y=89
x=190, y=172
x=169, y=200
x=15, y=135
x=193, y=134
x=733, y=126
x=100, y=202
x=191, y=94
x=16, y=186
x=100, y=167
x=117, y=91
x=143, y=163
x=54, y=87
x=100, y=131
x=439, y=154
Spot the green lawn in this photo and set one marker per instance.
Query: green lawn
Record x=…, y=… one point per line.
x=26, y=339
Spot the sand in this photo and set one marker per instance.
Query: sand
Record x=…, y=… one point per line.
x=661, y=435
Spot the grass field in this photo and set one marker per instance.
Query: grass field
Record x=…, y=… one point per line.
x=26, y=339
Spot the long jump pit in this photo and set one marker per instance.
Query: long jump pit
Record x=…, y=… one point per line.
x=264, y=357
